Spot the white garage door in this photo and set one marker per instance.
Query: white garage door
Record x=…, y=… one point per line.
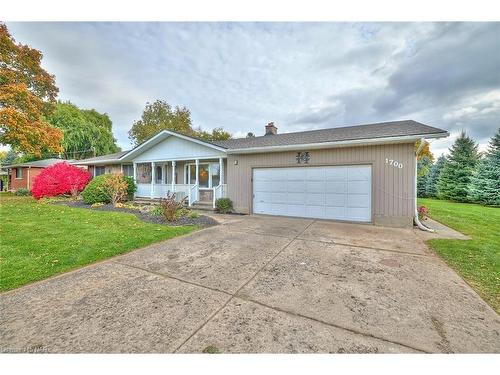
x=340, y=192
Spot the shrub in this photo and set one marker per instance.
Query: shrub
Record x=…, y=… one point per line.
x=99, y=189
x=170, y=209
x=58, y=179
x=22, y=192
x=116, y=188
x=423, y=213
x=132, y=188
x=224, y=205
x=193, y=215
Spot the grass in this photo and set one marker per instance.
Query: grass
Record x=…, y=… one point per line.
x=477, y=260
x=39, y=240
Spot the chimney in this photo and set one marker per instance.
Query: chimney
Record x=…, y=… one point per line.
x=271, y=129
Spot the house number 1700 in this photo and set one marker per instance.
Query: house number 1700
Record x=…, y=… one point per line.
x=394, y=163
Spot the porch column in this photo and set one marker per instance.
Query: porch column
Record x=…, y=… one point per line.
x=197, y=170
x=134, y=177
x=173, y=176
x=221, y=171
x=153, y=178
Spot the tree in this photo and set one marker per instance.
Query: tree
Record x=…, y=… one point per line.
x=485, y=184
x=58, y=179
x=425, y=151
x=86, y=133
x=27, y=93
x=218, y=134
x=423, y=166
x=250, y=135
x=456, y=175
x=433, y=176
x=159, y=116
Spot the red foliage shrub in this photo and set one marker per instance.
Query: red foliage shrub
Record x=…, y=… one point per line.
x=60, y=178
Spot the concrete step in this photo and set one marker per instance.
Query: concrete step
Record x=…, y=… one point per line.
x=203, y=206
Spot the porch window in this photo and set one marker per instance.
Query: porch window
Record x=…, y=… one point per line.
x=143, y=173
x=99, y=170
x=208, y=174
x=215, y=171
x=159, y=174
x=19, y=172
x=128, y=170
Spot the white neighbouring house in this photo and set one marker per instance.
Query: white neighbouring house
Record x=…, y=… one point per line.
x=363, y=173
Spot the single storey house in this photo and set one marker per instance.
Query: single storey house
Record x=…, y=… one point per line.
x=22, y=175
x=364, y=173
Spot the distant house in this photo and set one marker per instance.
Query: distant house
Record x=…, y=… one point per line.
x=22, y=175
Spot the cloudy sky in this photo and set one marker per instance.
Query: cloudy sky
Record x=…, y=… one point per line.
x=240, y=76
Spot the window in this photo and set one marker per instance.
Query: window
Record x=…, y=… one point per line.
x=159, y=174
x=208, y=175
x=99, y=170
x=128, y=170
x=19, y=172
x=215, y=171
x=143, y=173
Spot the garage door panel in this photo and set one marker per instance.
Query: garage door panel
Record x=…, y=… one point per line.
x=315, y=174
x=315, y=186
x=296, y=198
x=336, y=192
x=315, y=211
x=295, y=174
x=358, y=214
x=358, y=200
x=338, y=213
x=315, y=199
x=335, y=174
x=337, y=187
x=357, y=187
x=296, y=186
x=336, y=200
x=359, y=173
x=296, y=210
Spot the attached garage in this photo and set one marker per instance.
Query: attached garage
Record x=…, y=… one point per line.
x=326, y=192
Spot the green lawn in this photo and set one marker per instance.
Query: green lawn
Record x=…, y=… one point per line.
x=40, y=240
x=477, y=260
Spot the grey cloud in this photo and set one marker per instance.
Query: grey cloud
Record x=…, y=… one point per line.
x=301, y=75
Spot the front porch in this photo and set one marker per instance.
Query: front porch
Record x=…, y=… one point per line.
x=196, y=180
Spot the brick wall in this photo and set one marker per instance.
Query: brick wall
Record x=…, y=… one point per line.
x=18, y=183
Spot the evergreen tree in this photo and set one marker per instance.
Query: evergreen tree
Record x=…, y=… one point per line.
x=433, y=176
x=423, y=166
x=485, y=184
x=455, y=178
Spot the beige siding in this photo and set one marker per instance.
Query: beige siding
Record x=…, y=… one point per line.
x=392, y=188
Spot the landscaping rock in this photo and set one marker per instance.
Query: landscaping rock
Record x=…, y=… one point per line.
x=143, y=213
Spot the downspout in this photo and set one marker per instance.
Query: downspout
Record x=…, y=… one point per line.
x=416, y=219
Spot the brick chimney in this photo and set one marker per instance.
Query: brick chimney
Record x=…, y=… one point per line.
x=271, y=129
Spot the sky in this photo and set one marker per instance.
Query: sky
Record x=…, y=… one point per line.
x=302, y=76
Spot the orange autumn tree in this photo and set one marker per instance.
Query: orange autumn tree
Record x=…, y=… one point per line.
x=27, y=94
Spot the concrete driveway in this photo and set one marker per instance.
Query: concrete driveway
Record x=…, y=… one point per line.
x=258, y=284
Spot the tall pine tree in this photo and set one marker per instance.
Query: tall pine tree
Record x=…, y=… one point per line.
x=432, y=179
x=485, y=184
x=456, y=175
x=423, y=166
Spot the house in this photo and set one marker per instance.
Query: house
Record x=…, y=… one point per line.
x=364, y=173
x=22, y=175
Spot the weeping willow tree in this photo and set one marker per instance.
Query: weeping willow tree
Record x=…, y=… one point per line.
x=86, y=133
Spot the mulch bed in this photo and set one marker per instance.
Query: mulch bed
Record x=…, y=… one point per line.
x=201, y=220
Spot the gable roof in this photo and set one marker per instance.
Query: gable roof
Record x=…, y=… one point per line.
x=394, y=129
x=39, y=163
x=387, y=132
x=103, y=158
